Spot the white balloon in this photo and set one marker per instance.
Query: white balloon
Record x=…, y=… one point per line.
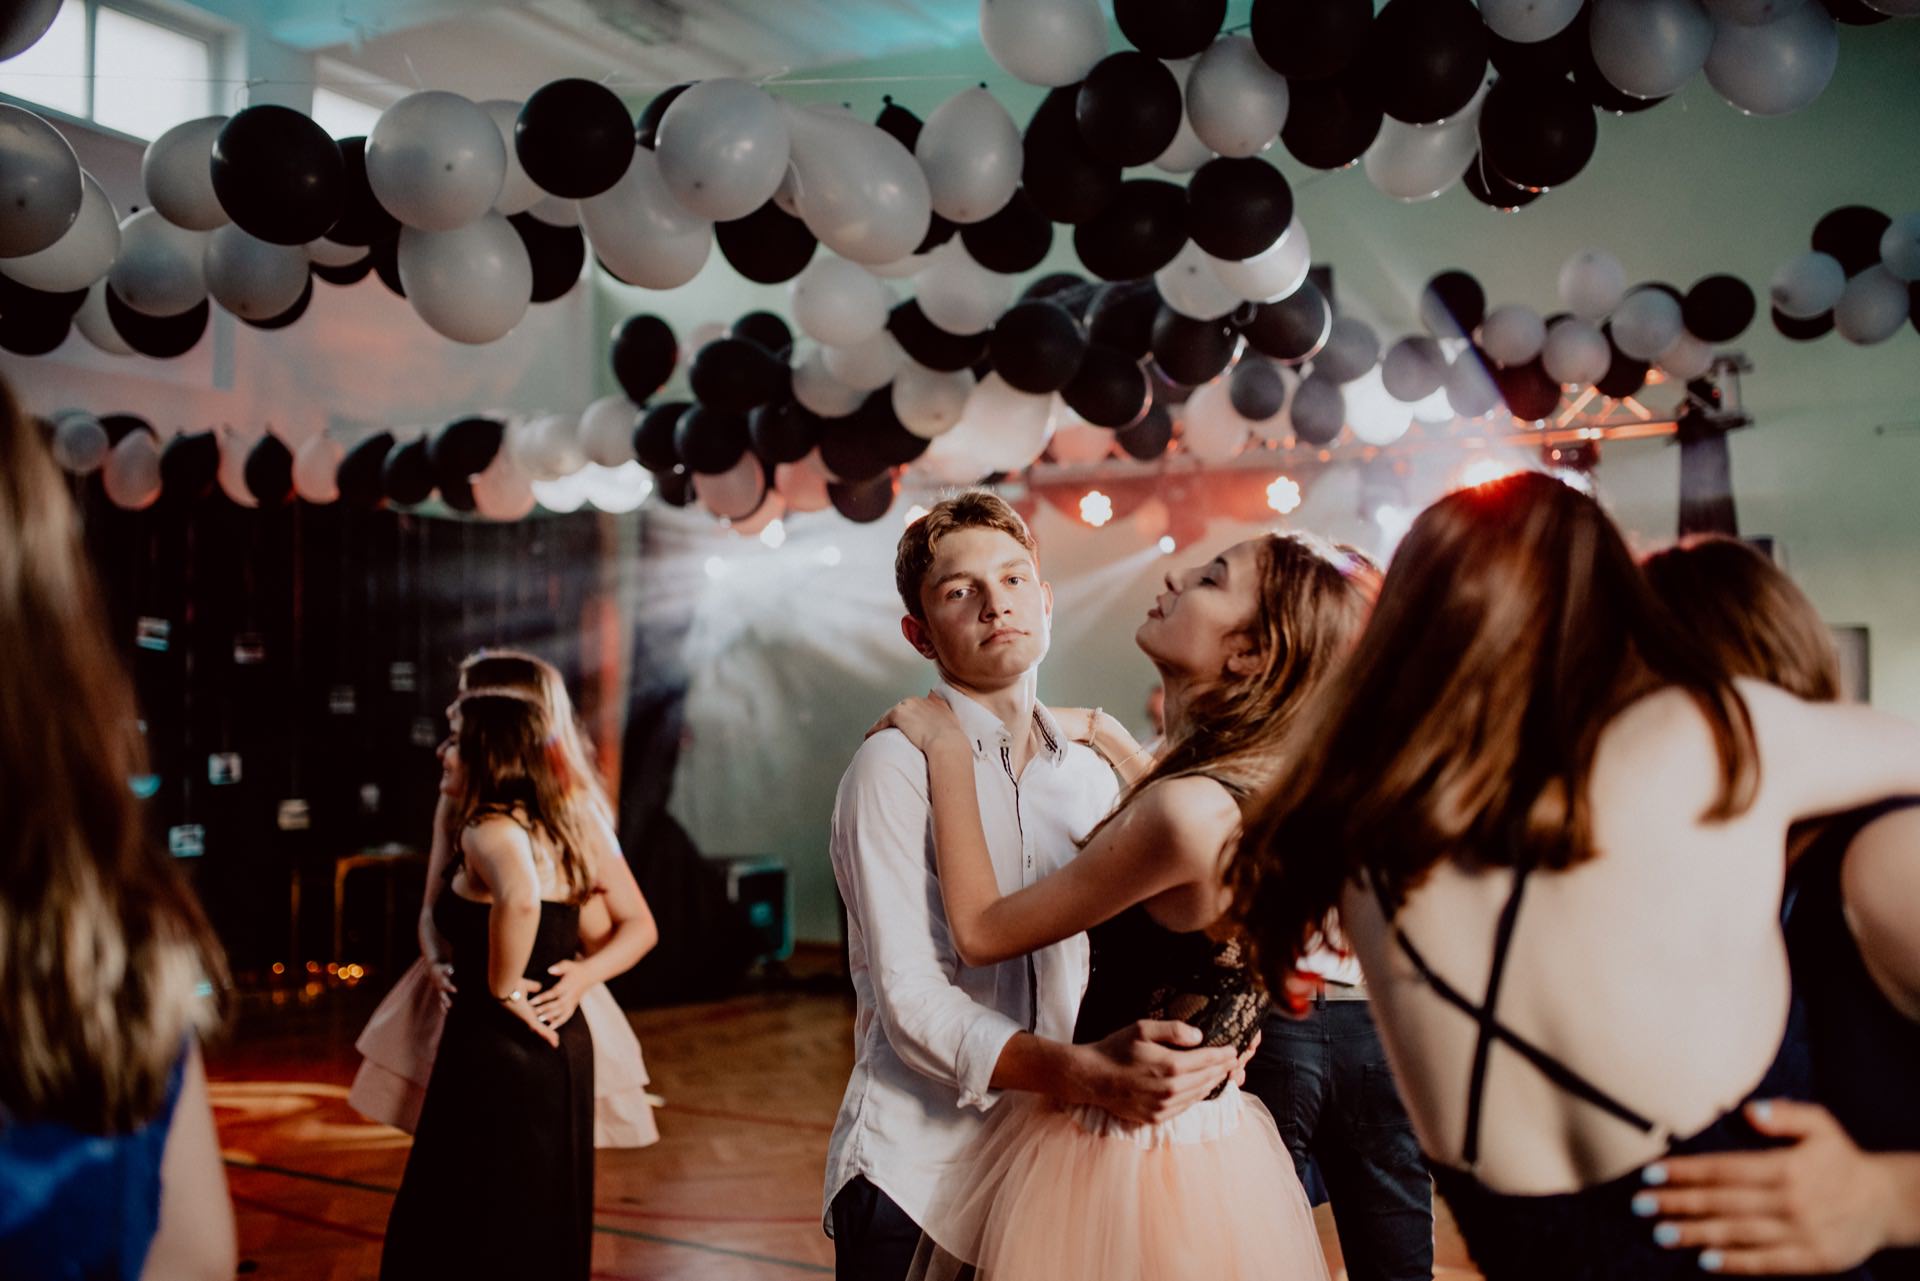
x=556, y=211
x=1751, y=13
x=1418, y=162
x=472, y=284
x=131, y=474
x=837, y=302
x=1077, y=442
x=1646, y=323
x=901, y=268
x=959, y=295
x=970, y=151
x=1777, y=68
x=1687, y=358
x=1899, y=247
x=251, y=278
x=606, y=430
x=177, y=172
x=80, y=443
x=815, y=387
x=1807, y=286
x=1435, y=409
x=1002, y=429
x=159, y=270
x=803, y=485
x=1650, y=48
x=316, y=468
x=1872, y=307
x=1592, y=283
x=1211, y=429
x=330, y=253
x=723, y=148
x=40, y=186
x=1272, y=274
x=1512, y=333
x=1373, y=415
x=1186, y=152
x=79, y=257
x=929, y=402
x=235, y=445
x=736, y=493
x=867, y=365
x=96, y=326
x=548, y=447
x=616, y=489
x=1191, y=286
x=857, y=189
x=1044, y=42
x=641, y=233
x=518, y=193
x=1235, y=101
x=503, y=491
x=1575, y=352
x=436, y=160
x=1528, y=21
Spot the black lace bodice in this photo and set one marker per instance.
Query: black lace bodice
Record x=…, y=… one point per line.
x=1143, y=970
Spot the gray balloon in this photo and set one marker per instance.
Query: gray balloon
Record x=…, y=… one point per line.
x=1646, y=323
x=1352, y=349
x=1650, y=48
x=1319, y=410
x=1872, y=306
x=40, y=185
x=1414, y=368
x=1780, y=67
x=1807, y=286
x=1470, y=388
x=1257, y=390
x=24, y=23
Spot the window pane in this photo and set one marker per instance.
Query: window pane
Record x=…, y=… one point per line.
x=53, y=72
x=148, y=78
x=341, y=116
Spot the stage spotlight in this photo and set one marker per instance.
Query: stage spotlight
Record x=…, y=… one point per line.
x=1167, y=545
x=1283, y=495
x=1096, y=508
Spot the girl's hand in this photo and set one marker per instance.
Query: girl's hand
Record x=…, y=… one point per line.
x=926, y=722
x=557, y=1004
x=523, y=1010
x=440, y=975
x=1082, y=724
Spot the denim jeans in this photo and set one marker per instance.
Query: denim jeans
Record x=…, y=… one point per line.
x=1326, y=1081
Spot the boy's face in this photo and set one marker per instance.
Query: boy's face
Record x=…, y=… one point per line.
x=988, y=615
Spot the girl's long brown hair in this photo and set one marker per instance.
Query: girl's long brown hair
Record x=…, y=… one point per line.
x=1748, y=615
x=105, y=956
x=517, y=670
x=1511, y=627
x=504, y=752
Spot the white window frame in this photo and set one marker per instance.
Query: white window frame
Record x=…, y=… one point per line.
x=216, y=38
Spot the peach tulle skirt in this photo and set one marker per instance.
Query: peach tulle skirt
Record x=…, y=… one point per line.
x=399, y=1041
x=1056, y=1193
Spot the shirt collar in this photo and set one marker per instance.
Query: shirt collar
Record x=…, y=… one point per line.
x=988, y=733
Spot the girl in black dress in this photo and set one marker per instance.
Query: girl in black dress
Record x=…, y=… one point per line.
x=500, y=1179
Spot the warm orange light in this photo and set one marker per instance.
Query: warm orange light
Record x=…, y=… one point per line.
x=1484, y=471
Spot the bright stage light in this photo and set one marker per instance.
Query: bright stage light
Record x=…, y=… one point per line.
x=1096, y=508
x=1167, y=545
x=914, y=513
x=1484, y=471
x=1283, y=495
x=716, y=568
x=775, y=534
x=829, y=555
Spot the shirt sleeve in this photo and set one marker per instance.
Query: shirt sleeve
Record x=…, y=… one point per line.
x=881, y=819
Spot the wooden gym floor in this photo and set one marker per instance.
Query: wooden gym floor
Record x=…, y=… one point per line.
x=730, y=1193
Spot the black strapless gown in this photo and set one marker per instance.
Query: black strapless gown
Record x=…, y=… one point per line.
x=500, y=1179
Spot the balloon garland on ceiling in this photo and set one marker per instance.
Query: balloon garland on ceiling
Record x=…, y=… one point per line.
x=474, y=211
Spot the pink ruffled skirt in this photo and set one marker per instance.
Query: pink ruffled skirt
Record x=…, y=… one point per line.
x=1056, y=1193
x=398, y=1044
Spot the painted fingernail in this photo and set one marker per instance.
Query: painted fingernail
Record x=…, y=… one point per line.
x=1646, y=1205
x=1711, y=1261
x=1762, y=1111
x=1666, y=1234
x=1654, y=1175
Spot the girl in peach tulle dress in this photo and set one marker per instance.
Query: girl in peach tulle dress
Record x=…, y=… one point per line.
x=616, y=930
x=1051, y=1192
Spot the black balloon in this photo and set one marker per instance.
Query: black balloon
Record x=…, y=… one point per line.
x=1802, y=330
x=21, y=300
x=363, y=219
x=269, y=471
x=851, y=449
x=189, y=464
x=1427, y=58
x=1855, y=13
x=407, y=474
x=1128, y=108
x=1718, y=308
x=1070, y=290
x=646, y=130
x=710, y=440
x=1257, y=389
x=278, y=175
x=120, y=426
x=459, y=495
x=162, y=337
x=643, y=354
x=1293, y=329
x=1237, y=208
x=1490, y=189
x=1037, y=346
x=574, y=138
x=1624, y=375
x=890, y=436
x=653, y=437
x=898, y=121
x=1109, y=389
x=1067, y=182
x=558, y=254
x=351, y=274
x=1852, y=234
x=463, y=448
x=1530, y=391
x=733, y=373
x=1191, y=351
x=1308, y=40
x=361, y=469
x=1413, y=368
x=385, y=255
x=675, y=487
x=1139, y=232
x=783, y=431
x=928, y=344
x=33, y=333
x=1170, y=31
x=1549, y=59
x=291, y=314
x=864, y=502
x=1592, y=81
x=1148, y=438
x=768, y=246
x=1331, y=122
x=1452, y=305
x=1121, y=316
x=1319, y=410
x=766, y=329
x=1014, y=240
x=1537, y=134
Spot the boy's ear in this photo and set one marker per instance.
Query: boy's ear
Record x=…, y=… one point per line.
x=1046, y=596
x=917, y=636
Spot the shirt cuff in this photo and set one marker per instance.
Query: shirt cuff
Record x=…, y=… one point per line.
x=979, y=1054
